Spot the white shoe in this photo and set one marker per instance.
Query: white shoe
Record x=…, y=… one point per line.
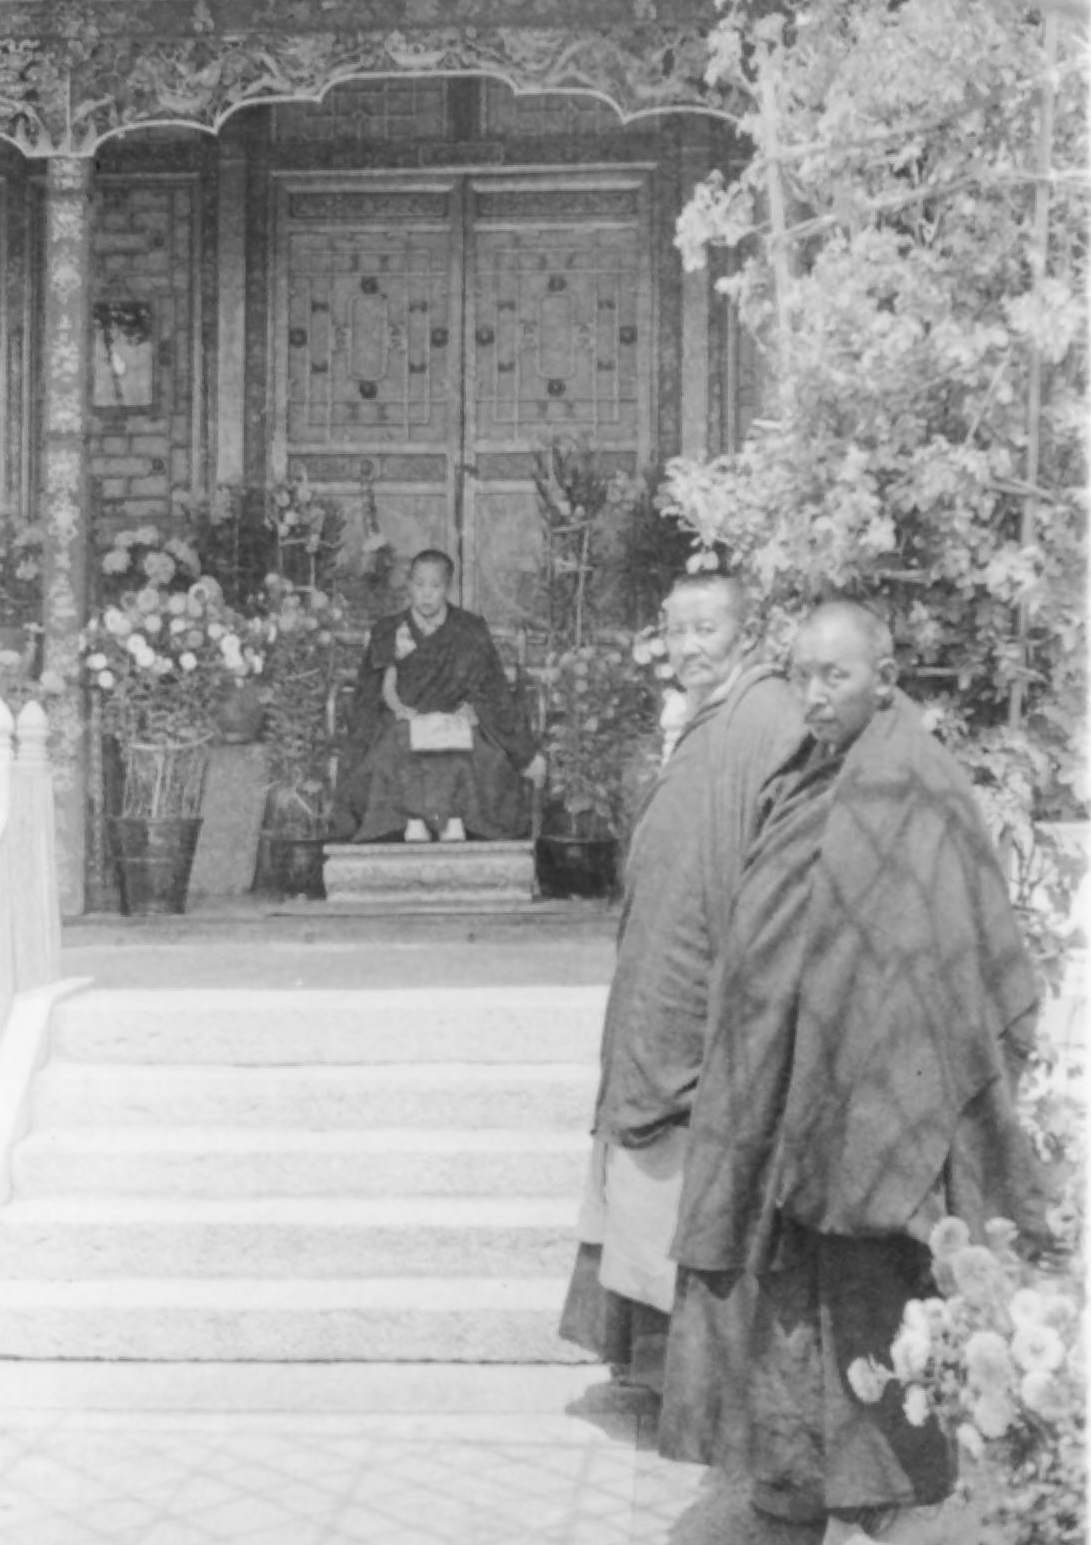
x=417, y=831
x=454, y=831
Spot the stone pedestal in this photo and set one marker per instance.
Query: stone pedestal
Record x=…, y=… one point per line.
x=430, y=875
x=232, y=811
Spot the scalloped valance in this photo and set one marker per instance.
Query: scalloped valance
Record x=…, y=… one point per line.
x=73, y=75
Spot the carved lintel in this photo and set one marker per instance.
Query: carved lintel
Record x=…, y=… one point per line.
x=64, y=95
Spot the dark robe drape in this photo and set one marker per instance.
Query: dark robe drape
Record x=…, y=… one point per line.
x=382, y=784
x=873, y=994
x=683, y=867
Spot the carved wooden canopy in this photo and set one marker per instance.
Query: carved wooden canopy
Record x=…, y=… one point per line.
x=72, y=74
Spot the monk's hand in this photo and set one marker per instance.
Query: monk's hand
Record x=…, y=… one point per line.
x=468, y=712
x=535, y=770
x=404, y=714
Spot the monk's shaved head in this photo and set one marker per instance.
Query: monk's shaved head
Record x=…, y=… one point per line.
x=843, y=667
x=861, y=621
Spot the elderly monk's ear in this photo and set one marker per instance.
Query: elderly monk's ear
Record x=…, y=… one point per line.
x=887, y=672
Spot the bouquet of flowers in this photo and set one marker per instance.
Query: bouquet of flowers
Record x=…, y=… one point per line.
x=146, y=556
x=600, y=707
x=20, y=574
x=308, y=530
x=999, y=1360
x=159, y=661
x=298, y=639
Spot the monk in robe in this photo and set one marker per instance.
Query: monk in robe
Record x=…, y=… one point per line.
x=682, y=871
x=434, y=658
x=870, y=1010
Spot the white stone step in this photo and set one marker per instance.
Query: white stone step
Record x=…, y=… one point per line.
x=281, y=1026
x=207, y=1162
x=322, y=1099
x=287, y=1238
x=461, y=1319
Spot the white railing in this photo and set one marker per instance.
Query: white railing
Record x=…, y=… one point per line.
x=30, y=923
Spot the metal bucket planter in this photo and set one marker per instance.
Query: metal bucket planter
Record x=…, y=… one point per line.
x=154, y=839
x=577, y=866
x=292, y=866
x=153, y=860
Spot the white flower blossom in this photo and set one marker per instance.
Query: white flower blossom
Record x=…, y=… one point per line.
x=187, y=661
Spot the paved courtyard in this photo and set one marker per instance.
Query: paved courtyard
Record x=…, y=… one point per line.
x=326, y=1455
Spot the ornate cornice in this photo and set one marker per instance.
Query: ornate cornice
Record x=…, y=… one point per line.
x=91, y=70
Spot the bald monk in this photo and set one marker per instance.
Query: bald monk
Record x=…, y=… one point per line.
x=871, y=1007
x=683, y=868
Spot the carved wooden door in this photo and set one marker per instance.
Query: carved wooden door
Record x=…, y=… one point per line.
x=435, y=335
x=558, y=330
x=369, y=367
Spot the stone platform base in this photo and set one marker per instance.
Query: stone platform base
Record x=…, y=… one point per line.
x=430, y=874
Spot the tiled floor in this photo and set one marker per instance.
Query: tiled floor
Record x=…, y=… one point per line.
x=171, y=1476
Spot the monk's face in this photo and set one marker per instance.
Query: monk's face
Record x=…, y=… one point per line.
x=838, y=678
x=702, y=635
x=428, y=589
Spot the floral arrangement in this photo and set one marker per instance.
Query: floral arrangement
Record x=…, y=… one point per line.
x=298, y=640
x=999, y=1360
x=20, y=683
x=309, y=531
x=159, y=661
x=20, y=573
x=232, y=538
x=147, y=556
x=601, y=711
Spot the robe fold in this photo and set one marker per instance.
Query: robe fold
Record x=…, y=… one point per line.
x=684, y=863
x=873, y=993
x=382, y=784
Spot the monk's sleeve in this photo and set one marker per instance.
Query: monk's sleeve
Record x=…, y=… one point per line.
x=367, y=706
x=500, y=714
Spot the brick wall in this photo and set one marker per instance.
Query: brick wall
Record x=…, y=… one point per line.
x=144, y=250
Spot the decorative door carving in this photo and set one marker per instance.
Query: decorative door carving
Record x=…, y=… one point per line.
x=369, y=368
x=558, y=343
x=435, y=335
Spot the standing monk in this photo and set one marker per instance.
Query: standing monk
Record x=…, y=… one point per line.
x=682, y=871
x=871, y=1003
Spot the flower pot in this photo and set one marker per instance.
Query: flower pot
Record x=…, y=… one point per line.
x=292, y=866
x=153, y=859
x=576, y=866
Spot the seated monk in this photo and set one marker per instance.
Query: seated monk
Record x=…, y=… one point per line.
x=433, y=658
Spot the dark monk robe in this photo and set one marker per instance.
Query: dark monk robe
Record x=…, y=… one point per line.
x=873, y=998
x=382, y=784
x=682, y=871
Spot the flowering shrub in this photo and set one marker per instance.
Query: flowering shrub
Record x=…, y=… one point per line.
x=298, y=639
x=147, y=556
x=160, y=659
x=20, y=574
x=999, y=1360
x=308, y=530
x=20, y=685
x=600, y=703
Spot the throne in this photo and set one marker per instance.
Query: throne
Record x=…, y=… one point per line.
x=435, y=876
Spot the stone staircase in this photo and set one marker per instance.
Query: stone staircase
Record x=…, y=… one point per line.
x=369, y=1175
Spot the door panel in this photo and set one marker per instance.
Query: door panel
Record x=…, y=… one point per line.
x=558, y=336
x=369, y=365
x=436, y=335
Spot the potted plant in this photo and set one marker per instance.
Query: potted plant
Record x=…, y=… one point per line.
x=601, y=713
x=298, y=645
x=601, y=706
x=20, y=586
x=159, y=660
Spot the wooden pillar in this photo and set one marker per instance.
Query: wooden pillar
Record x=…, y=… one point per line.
x=62, y=497
x=696, y=307
x=231, y=308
